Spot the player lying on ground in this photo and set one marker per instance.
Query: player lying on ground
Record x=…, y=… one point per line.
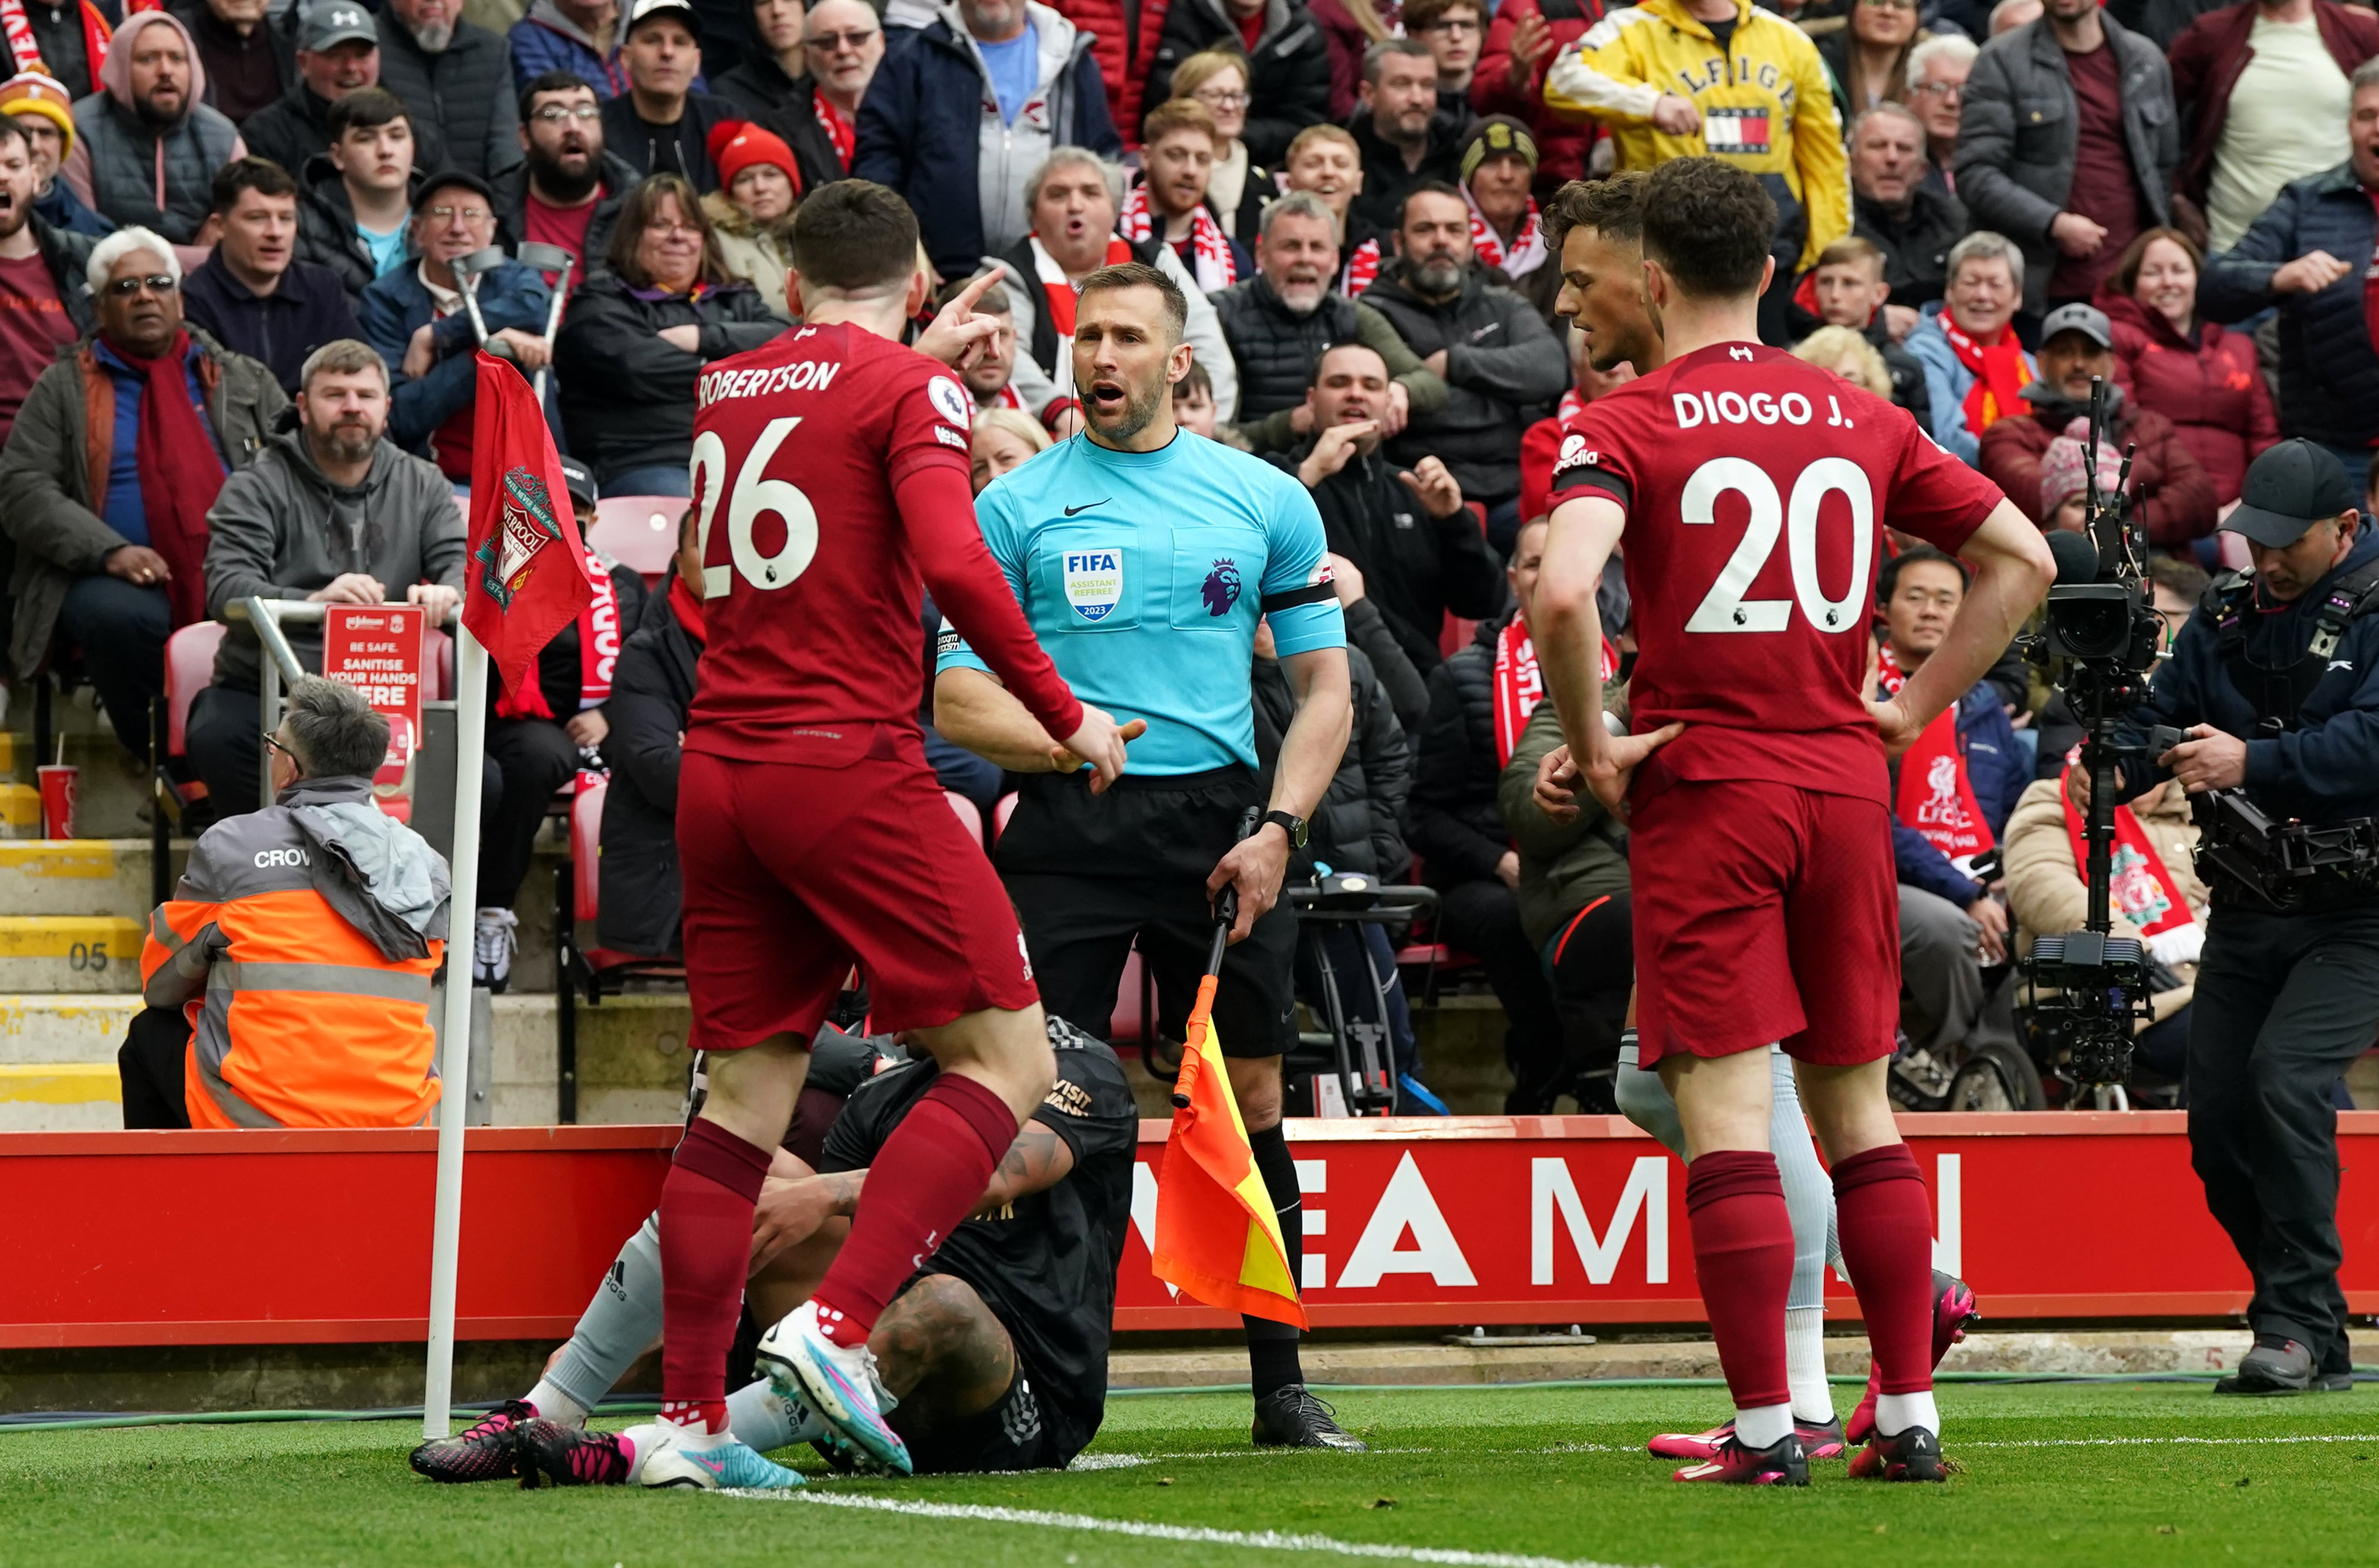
x=996, y=1351
x=1598, y=230
x=831, y=471
x=1765, y=899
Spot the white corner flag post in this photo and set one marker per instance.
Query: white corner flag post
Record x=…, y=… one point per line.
x=453, y=1102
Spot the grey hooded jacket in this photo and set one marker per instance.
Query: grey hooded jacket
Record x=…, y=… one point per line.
x=282, y=529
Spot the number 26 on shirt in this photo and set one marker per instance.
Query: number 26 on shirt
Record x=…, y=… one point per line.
x=1724, y=609
x=752, y=497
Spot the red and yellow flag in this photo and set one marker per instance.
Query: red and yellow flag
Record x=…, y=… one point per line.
x=1218, y=1239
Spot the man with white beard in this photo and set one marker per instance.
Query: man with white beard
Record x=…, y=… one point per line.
x=1279, y=321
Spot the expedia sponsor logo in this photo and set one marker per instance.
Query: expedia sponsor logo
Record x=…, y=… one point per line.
x=1576, y=453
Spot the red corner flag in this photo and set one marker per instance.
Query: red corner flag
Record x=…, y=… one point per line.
x=516, y=593
x=1218, y=1239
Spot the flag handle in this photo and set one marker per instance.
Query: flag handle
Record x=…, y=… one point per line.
x=454, y=1091
x=1226, y=914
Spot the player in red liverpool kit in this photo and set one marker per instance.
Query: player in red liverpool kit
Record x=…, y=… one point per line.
x=1750, y=490
x=831, y=471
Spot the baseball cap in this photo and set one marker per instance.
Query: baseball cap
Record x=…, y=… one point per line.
x=580, y=480
x=2288, y=490
x=31, y=93
x=450, y=179
x=331, y=22
x=2087, y=320
x=645, y=10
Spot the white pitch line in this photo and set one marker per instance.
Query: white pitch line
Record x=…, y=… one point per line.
x=1199, y=1534
x=2176, y=1441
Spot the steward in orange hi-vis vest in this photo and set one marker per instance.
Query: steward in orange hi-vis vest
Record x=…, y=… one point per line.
x=300, y=946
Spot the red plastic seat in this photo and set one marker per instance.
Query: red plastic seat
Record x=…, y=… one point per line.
x=1129, y=1026
x=1000, y=814
x=1456, y=634
x=189, y=669
x=638, y=531
x=969, y=815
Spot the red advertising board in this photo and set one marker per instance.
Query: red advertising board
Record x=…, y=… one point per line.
x=378, y=650
x=131, y=1238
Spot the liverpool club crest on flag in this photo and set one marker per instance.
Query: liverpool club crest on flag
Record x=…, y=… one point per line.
x=528, y=567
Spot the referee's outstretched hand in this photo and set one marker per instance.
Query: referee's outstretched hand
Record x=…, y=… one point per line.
x=1100, y=742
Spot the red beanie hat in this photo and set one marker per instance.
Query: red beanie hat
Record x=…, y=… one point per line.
x=735, y=145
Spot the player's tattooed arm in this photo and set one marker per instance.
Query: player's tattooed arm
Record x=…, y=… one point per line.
x=1039, y=1159
x=790, y=1212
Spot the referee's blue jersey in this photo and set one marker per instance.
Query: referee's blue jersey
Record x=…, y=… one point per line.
x=1144, y=573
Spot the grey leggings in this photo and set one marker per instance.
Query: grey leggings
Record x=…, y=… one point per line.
x=1808, y=1192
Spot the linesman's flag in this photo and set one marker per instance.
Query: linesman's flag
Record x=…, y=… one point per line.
x=1218, y=1239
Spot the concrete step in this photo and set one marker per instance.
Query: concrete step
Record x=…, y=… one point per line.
x=81, y=877
x=60, y=1096
x=77, y=953
x=112, y=791
x=70, y=1027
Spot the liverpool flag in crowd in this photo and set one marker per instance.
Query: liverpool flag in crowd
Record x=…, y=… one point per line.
x=526, y=577
x=1218, y=1239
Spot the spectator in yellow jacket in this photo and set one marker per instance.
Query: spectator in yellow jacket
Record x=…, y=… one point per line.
x=1679, y=78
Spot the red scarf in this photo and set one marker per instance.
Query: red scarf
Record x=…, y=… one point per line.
x=180, y=472
x=1528, y=247
x=2141, y=890
x=2000, y=371
x=842, y=132
x=686, y=605
x=1209, y=251
x=1935, y=796
x=1062, y=291
x=26, y=52
x=1520, y=685
x=1362, y=268
x=598, y=650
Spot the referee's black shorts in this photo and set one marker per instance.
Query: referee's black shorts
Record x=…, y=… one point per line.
x=1088, y=874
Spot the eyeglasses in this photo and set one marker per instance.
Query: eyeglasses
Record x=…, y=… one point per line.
x=274, y=741
x=1222, y=100
x=1457, y=27
x=833, y=40
x=1888, y=5
x=554, y=113
x=672, y=226
x=1946, y=88
x=155, y=283
x=468, y=214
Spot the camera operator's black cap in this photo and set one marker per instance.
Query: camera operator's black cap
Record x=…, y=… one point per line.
x=2287, y=490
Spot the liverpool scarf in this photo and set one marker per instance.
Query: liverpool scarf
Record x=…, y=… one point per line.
x=1062, y=291
x=598, y=651
x=2142, y=890
x=25, y=51
x=1527, y=251
x=1209, y=249
x=1936, y=795
x=2000, y=372
x=1362, y=269
x=180, y=471
x=842, y=132
x=1520, y=685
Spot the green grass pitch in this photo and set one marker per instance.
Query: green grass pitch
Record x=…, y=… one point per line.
x=2095, y=1473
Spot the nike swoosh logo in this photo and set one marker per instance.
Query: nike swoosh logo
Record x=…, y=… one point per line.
x=718, y=1468
x=1086, y=506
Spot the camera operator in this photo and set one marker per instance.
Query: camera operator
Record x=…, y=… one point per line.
x=2275, y=682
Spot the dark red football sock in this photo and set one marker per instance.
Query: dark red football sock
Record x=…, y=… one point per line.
x=1884, y=1218
x=927, y=1177
x=706, y=1247
x=1743, y=1255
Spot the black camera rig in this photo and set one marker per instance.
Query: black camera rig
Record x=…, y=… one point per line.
x=2087, y=989
x=2283, y=867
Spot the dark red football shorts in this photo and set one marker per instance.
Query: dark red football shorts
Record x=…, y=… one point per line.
x=793, y=874
x=1764, y=912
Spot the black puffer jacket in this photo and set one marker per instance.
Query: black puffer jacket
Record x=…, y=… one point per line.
x=1457, y=827
x=627, y=397
x=1504, y=369
x=290, y=132
x=1359, y=825
x=465, y=90
x=1274, y=346
x=1417, y=567
x=652, y=688
x=1288, y=71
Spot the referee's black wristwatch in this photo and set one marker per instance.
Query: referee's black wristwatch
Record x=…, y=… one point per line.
x=1295, y=826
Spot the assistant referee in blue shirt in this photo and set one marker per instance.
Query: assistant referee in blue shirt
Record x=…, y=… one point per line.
x=1143, y=557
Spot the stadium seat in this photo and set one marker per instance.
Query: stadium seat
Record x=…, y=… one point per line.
x=577, y=963
x=1000, y=814
x=969, y=815
x=189, y=668
x=638, y=531
x=1456, y=634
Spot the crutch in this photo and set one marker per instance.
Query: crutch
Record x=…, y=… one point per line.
x=549, y=259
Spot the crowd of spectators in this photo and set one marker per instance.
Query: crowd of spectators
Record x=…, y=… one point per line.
x=1987, y=212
